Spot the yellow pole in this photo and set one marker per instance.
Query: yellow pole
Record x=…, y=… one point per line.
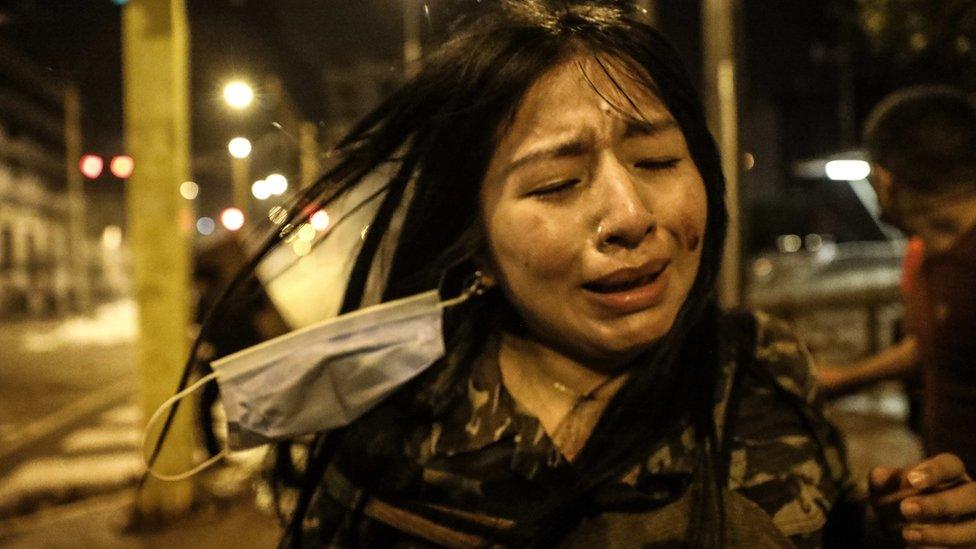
x=240, y=173
x=155, y=40
x=721, y=102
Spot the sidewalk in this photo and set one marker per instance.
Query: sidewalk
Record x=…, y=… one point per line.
x=100, y=522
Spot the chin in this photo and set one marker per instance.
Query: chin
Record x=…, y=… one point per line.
x=619, y=347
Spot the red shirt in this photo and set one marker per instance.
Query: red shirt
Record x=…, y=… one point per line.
x=942, y=315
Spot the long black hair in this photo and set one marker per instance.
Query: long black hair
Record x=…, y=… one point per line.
x=440, y=130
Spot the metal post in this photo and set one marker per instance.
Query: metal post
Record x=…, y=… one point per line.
x=308, y=145
x=155, y=40
x=721, y=103
x=78, y=248
x=411, y=38
x=240, y=173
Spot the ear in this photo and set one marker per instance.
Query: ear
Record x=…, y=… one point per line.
x=484, y=264
x=882, y=181
x=488, y=279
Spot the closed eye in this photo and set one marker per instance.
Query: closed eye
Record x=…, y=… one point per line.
x=555, y=188
x=657, y=164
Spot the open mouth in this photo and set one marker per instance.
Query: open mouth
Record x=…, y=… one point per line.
x=623, y=286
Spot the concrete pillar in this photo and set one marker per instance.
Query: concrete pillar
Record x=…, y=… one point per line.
x=155, y=43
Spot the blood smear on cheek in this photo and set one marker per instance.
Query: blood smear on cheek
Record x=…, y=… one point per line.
x=692, y=236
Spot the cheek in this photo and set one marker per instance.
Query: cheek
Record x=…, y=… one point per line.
x=691, y=211
x=530, y=246
x=692, y=233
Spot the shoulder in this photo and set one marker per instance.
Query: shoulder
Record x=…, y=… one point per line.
x=781, y=353
x=783, y=454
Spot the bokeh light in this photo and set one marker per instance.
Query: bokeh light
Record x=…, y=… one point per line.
x=238, y=94
x=91, y=166
x=232, y=219
x=260, y=189
x=306, y=232
x=112, y=237
x=122, y=166
x=189, y=190
x=301, y=247
x=239, y=147
x=789, y=243
x=277, y=183
x=278, y=215
x=847, y=170
x=320, y=220
x=206, y=226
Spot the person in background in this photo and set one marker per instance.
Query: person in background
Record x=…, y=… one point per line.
x=922, y=145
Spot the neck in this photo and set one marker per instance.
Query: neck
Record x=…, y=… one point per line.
x=565, y=395
x=539, y=364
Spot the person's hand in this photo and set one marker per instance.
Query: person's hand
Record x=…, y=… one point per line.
x=933, y=502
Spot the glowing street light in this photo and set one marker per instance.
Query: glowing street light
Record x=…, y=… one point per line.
x=320, y=220
x=91, y=166
x=239, y=147
x=189, y=190
x=847, y=170
x=260, y=190
x=232, y=219
x=277, y=183
x=306, y=232
x=238, y=94
x=112, y=237
x=121, y=166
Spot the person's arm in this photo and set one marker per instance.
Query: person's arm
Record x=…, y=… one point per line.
x=895, y=362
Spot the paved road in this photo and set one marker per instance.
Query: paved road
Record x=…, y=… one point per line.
x=54, y=374
x=68, y=425
x=97, y=455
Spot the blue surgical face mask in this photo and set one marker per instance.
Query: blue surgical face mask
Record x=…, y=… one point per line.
x=323, y=376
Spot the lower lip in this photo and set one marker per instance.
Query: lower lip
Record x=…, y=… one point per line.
x=634, y=299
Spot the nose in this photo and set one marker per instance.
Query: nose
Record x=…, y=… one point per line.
x=626, y=218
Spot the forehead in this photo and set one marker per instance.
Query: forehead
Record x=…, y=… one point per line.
x=572, y=93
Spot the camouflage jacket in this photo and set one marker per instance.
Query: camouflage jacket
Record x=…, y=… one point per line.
x=487, y=462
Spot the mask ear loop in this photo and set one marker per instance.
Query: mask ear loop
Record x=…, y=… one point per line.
x=476, y=285
x=171, y=401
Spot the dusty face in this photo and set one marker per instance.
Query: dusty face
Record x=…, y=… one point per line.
x=595, y=217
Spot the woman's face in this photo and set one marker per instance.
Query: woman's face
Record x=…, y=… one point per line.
x=595, y=217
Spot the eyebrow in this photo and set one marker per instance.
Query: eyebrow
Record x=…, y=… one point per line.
x=582, y=145
x=639, y=128
x=567, y=149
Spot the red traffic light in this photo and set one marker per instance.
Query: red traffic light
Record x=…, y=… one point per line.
x=91, y=166
x=122, y=166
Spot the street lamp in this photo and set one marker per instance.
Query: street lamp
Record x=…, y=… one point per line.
x=91, y=166
x=239, y=147
x=277, y=183
x=260, y=189
x=189, y=190
x=232, y=219
x=238, y=94
x=847, y=170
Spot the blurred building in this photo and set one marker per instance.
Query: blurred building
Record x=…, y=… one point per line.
x=37, y=277
x=34, y=276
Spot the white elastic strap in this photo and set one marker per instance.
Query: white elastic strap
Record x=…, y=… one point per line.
x=158, y=414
